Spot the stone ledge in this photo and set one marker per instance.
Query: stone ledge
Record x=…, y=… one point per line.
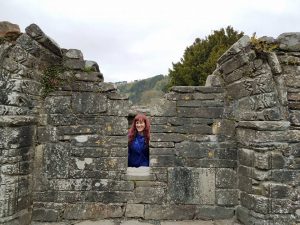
x=140, y=173
x=17, y=120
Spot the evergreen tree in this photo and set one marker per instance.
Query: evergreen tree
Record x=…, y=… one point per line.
x=199, y=59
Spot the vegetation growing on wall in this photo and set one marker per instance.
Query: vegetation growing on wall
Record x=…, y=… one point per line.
x=199, y=60
x=262, y=46
x=51, y=79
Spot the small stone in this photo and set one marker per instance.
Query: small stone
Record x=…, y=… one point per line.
x=289, y=41
x=7, y=28
x=74, y=54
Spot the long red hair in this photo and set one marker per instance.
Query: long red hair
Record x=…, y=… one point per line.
x=133, y=131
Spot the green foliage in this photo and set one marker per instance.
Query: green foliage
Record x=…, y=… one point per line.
x=199, y=59
x=142, y=91
x=261, y=46
x=51, y=79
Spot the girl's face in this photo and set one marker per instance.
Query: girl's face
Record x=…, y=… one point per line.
x=140, y=125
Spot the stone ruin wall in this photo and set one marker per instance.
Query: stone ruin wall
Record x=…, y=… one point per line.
x=216, y=152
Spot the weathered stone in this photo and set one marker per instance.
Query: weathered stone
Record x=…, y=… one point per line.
x=172, y=212
x=209, y=112
x=37, y=34
x=277, y=191
x=92, y=211
x=227, y=197
x=73, y=54
x=191, y=186
x=89, y=103
x=265, y=125
x=45, y=56
x=134, y=210
x=56, y=164
x=82, y=76
x=226, y=178
x=212, y=81
x=92, y=66
x=199, y=103
x=74, y=64
x=237, y=47
x=49, y=215
x=117, y=107
x=7, y=28
x=289, y=41
x=149, y=195
x=274, y=63
x=211, y=212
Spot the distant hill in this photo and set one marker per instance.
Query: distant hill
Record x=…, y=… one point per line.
x=146, y=91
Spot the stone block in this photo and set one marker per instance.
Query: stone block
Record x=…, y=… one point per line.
x=104, y=164
x=246, y=157
x=285, y=176
x=262, y=160
x=46, y=134
x=89, y=103
x=134, y=210
x=208, y=112
x=57, y=159
x=62, y=119
x=257, y=203
x=58, y=104
x=164, y=108
x=165, y=137
x=74, y=64
x=214, y=212
x=85, y=211
x=7, y=28
x=117, y=107
x=17, y=137
x=199, y=103
x=191, y=185
x=226, y=153
x=277, y=191
x=162, y=145
x=37, y=34
x=226, y=178
x=244, y=183
x=289, y=41
x=227, y=197
x=278, y=160
x=194, y=149
x=235, y=62
x=73, y=54
x=34, y=48
x=47, y=215
x=237, y=47
x=164, y=161
x=150, y=195
x=265, y=125
x=171, y=212
x=282, y=206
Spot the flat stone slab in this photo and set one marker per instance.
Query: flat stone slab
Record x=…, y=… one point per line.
x=137, y=222
x=99, y=222
x=187, y=222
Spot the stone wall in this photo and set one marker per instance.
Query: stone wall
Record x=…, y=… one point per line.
x=262, y=99
x=22, y=58
x=215, y=152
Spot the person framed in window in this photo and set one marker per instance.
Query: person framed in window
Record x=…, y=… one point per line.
x=138, y=142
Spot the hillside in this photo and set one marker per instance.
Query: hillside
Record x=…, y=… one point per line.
x=146, y=91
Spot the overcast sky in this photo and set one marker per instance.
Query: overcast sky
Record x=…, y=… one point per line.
x=136, y=39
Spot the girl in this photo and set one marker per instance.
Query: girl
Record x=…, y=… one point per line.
x=138, y=142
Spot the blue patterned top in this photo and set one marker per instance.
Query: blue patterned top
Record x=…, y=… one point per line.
x=138, y=152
